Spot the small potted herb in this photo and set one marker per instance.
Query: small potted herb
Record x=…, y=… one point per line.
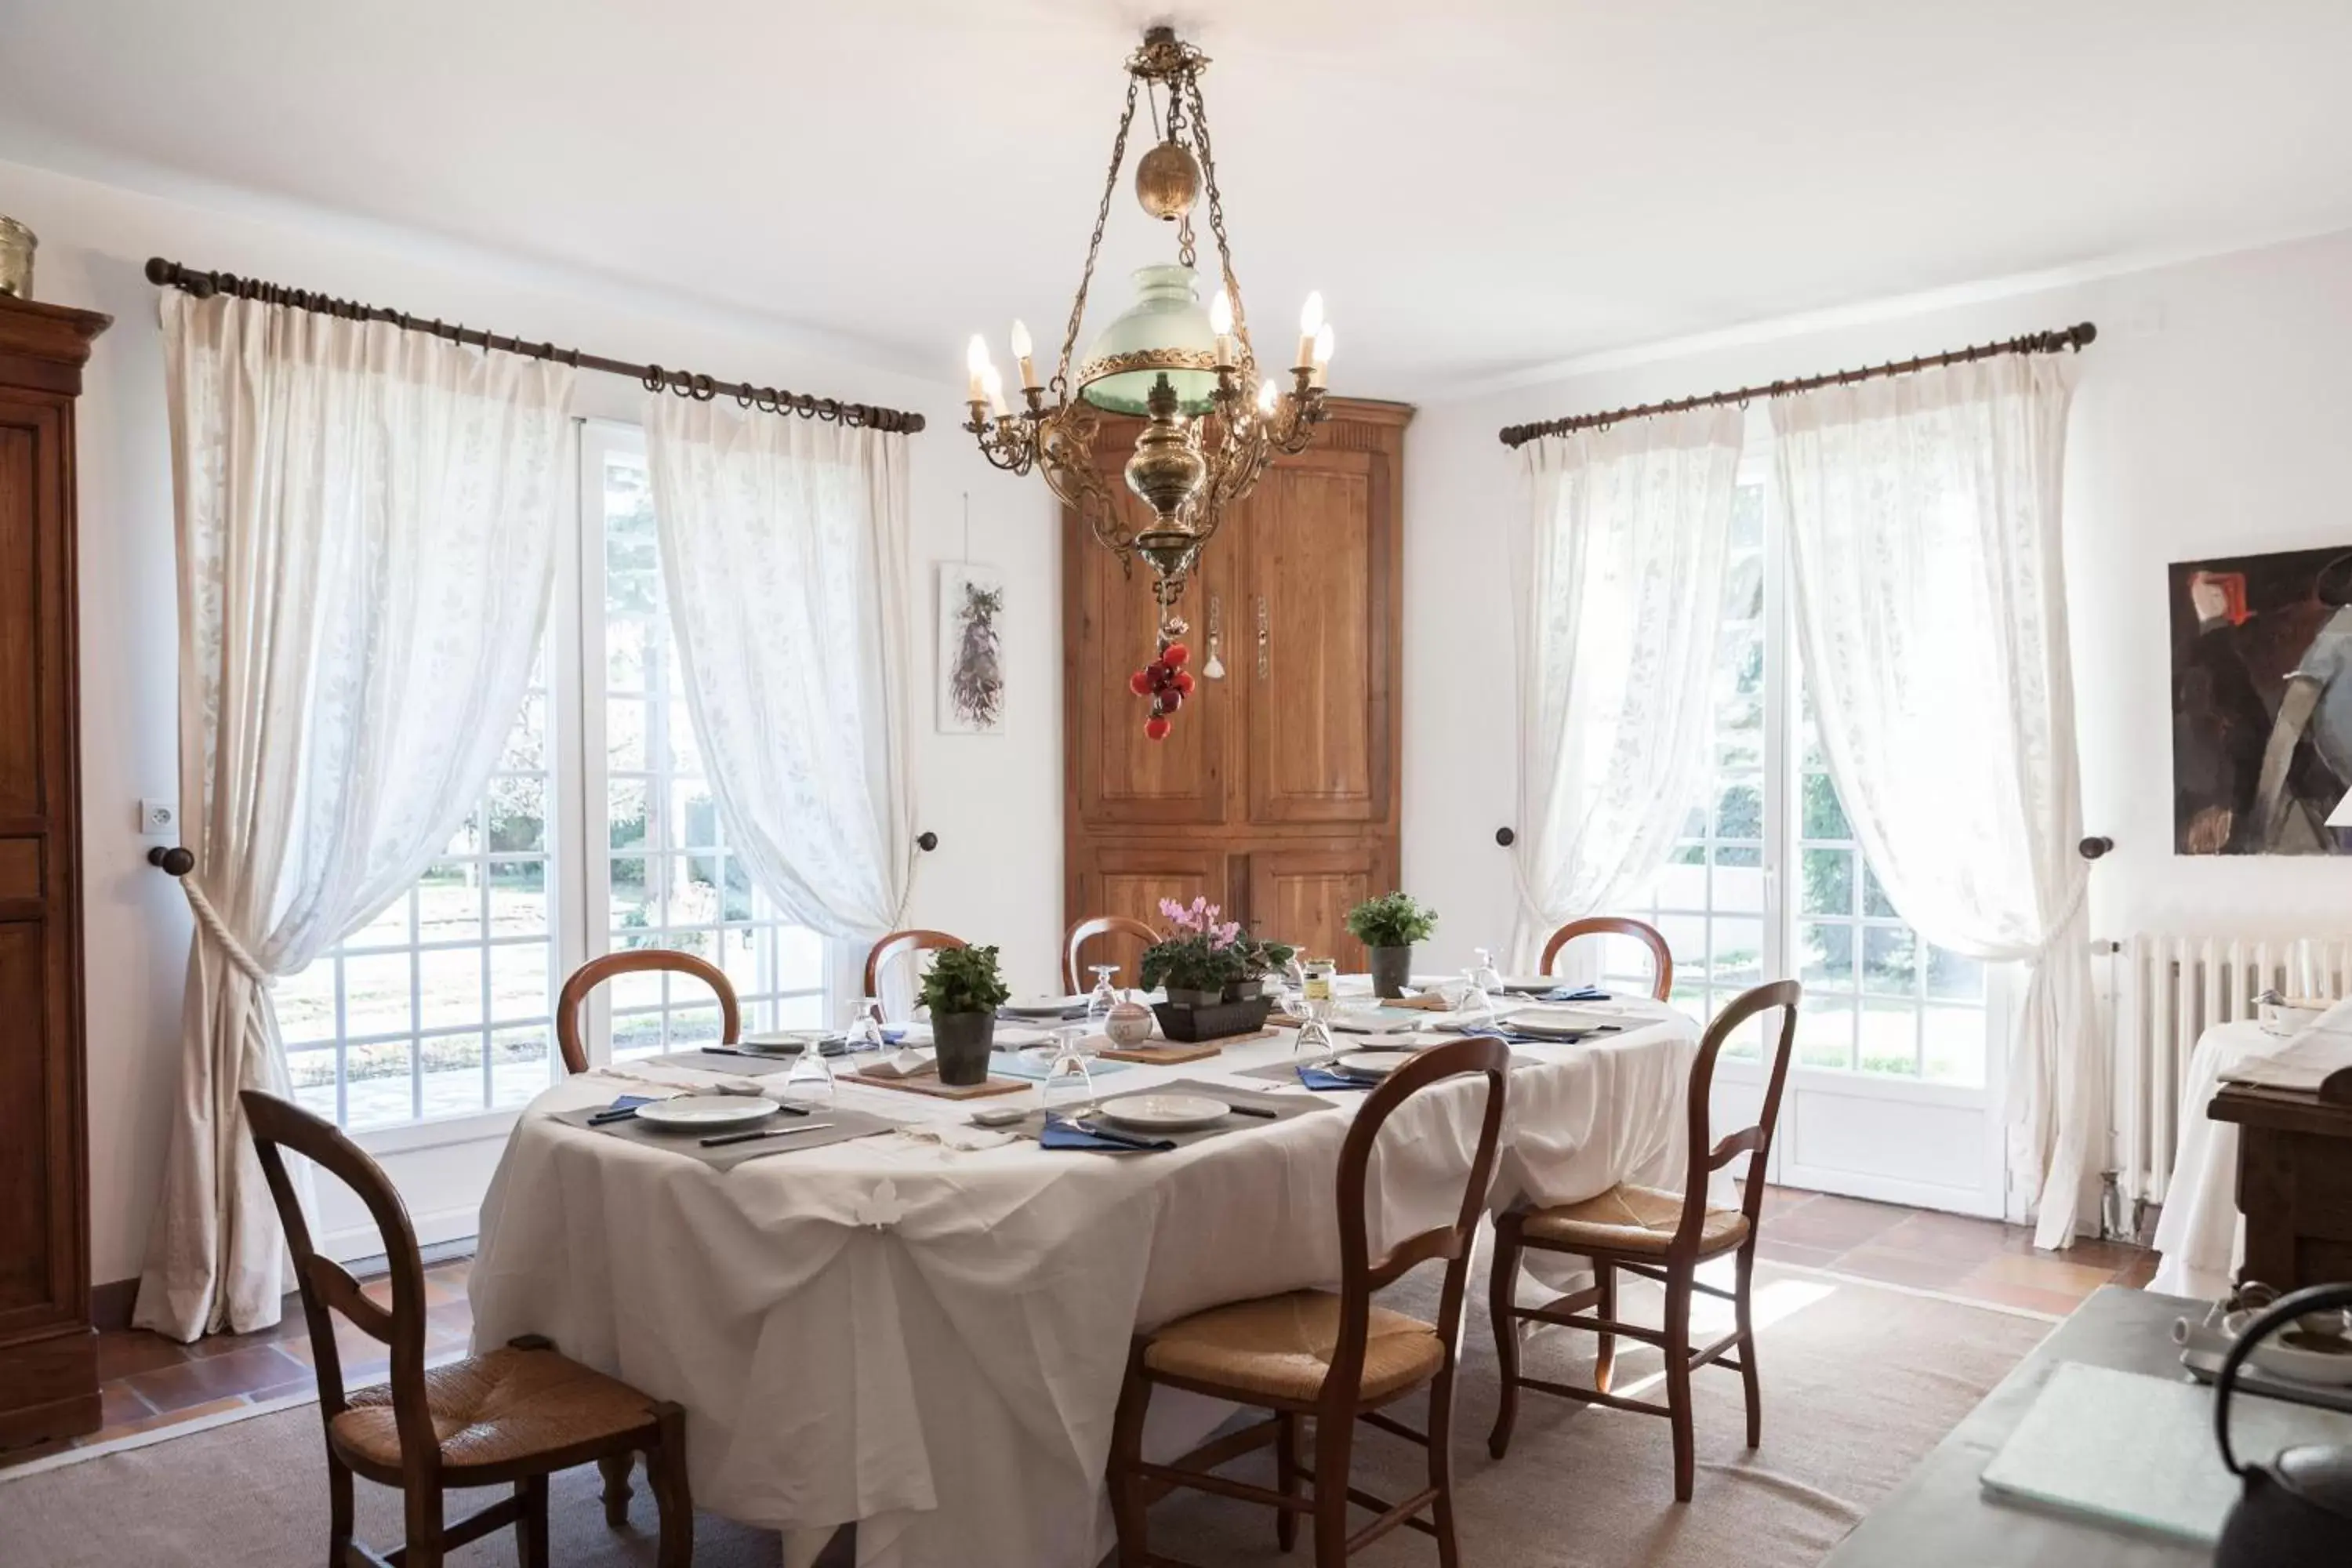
x=1388, y=926
x=963, y=991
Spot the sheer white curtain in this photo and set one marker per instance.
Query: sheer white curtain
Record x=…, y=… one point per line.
x=367, y=527
x=1617, y=579
x=784, y=546
x=1923, y=516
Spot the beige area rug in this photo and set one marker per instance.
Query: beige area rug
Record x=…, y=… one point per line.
x=1859, y=1383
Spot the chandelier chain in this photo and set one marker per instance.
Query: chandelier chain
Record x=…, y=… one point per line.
x=1094, y=245
x=1217, y=226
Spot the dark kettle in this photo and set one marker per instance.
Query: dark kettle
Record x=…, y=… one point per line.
x=2296, y=1511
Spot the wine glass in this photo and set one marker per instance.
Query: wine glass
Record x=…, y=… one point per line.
x=809, y=1080
x=1104, y=997
x=1067, y=1088
x=1483, y=972
x=862, y=1026
x=1475, y=1008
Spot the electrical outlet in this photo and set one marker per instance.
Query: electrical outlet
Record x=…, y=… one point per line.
x=159, y=818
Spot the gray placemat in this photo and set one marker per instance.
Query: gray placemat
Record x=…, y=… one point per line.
x=1285, y=1108
x=842, y=1125
x=750, y=1064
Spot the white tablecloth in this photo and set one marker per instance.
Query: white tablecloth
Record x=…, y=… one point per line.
x=2200, y=1234
x=932, y=1342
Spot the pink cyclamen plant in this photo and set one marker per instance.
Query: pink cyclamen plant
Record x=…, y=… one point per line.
x=1199, y=917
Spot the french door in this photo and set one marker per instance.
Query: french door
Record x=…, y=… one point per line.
x=1895, y=1088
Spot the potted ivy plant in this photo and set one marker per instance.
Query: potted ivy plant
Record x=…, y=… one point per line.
x=963, y=991
x=1388, y=926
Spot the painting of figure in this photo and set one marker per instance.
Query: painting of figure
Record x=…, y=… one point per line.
x=2261, y=702
x=972, y=651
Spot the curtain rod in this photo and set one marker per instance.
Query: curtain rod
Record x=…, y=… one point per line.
x=652, y=377
x=2076, y=337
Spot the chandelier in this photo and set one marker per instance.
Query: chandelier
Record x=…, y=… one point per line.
x=1211, y=425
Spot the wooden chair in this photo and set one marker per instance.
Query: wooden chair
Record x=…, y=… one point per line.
x=1085, y=932
x=596, y=970
x=1661, y=987
x=1660, y=1235
x=1336, y=1358
x=513, y=1417
x=903, y=944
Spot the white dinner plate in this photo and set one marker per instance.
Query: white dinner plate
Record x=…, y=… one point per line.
x=1015, y=1038
x=1043, y=1006
x=1563, y=1021
x=2281, y=1357
x=1368, y=1064
x=1164, y=1112
x=783, y=1042
x=1532, y=985
x=707, y=1112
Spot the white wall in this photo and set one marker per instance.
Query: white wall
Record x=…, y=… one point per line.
x=994, y=801
x=2212, y=418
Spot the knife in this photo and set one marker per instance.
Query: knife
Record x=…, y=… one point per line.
x=721, y=1140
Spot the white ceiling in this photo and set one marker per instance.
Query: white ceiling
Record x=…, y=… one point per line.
x=1478, y=186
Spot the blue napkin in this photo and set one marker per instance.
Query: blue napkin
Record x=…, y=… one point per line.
x=1317, y=1078
x=1061, y=1134
x=1581, y=993
x=624, y=1102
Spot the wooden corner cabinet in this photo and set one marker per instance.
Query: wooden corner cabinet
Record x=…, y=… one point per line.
x=48, y=1352
x=1276, y=793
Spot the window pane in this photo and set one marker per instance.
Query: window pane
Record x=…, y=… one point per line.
x=1825, y=954
x=379, y=1092
x=517, y=897
x=375, y=993
x=1952, y=977
x=1890, y=1037
x=519, y=1063
x=453, y=1074
x=1875, y=900
x=1952, y=1045
x=1828, y=882
x=1739, y=809
x=526, y=751
x=1825, y=1032
x=1738, y=952
x=519, y=981
x=628, y=813
x=1825, y=815
x=449, y=902
x=1888, y=960
x=313, y=1070
x=515, y=814
x=306, y=1008
x=449, y=987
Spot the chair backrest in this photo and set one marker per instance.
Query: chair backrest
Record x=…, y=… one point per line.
x=1707, y=1155
x=597, y=971
x=1662, y=956
x=900, y=945
x=1085, y=932
x=1361, y=1274
x=328, y=1287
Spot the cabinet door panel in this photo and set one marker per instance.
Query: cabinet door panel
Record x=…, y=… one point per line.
x=24, y=480
x=1321, y=548
x=1303, y=896
x=1130, y=878
x=1120, y=777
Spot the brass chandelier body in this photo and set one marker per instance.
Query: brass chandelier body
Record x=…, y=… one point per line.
x=1187, y=466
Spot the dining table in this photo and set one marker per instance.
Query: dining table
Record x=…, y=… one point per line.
x=923, y=1332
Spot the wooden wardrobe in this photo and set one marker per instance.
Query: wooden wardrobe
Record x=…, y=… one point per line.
x=48, y=1354
x=1276, y=793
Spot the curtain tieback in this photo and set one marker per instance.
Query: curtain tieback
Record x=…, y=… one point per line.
x=209, y=918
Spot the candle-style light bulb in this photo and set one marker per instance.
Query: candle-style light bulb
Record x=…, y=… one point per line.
x=1221, y=321
x=1021, y=350
x=1311, y=321
x=1269, y=395
x=1322, y=361
x=992, y=384
x=975, y=360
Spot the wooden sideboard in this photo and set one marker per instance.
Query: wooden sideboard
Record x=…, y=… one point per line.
x=1276, y=794
x=2295, y=1180
x=49, y=1357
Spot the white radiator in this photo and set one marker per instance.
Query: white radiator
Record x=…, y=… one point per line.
x=2170, y=990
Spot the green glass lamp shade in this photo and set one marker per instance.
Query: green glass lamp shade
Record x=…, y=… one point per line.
x=1166, y=332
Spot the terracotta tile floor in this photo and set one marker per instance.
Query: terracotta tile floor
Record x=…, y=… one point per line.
x=150, y=1381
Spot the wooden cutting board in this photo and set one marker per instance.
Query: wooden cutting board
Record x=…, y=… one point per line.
x=1176, y=1053
x=931, y=1088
